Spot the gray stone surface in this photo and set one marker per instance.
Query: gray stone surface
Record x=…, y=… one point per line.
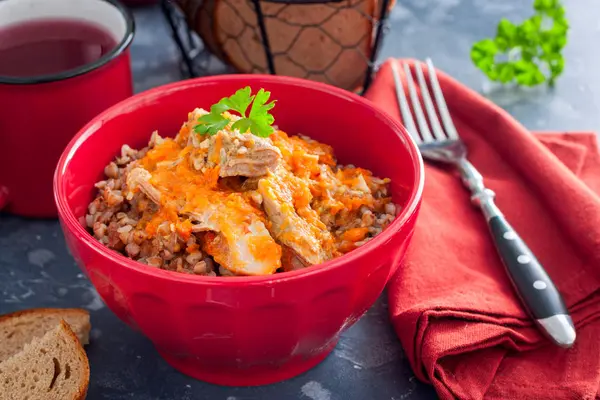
x=446, y=29
x=368, y=363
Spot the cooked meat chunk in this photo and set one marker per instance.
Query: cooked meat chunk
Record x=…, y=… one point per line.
x=237, y=239
x=289, y=228
x=249, y=250
x=199, y=222
x=289, y=260
x=242, y=154
x=140, y=178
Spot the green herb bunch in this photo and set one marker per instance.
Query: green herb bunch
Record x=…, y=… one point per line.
x=258, y=121
x=531, y=52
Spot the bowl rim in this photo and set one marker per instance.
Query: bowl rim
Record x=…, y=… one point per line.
x=71, y=223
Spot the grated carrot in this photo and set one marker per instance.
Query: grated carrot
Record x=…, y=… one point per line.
x=355, y=234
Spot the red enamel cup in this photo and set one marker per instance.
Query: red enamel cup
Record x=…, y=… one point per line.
x=243, y=330
x=39, y=115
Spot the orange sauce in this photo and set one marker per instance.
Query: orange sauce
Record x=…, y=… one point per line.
x=313, y=179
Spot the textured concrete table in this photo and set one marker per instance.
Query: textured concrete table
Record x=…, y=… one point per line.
x=368, y=363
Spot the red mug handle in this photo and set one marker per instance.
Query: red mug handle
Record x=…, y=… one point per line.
x=3, y=196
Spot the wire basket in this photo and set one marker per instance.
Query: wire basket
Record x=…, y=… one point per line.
x=332, y=41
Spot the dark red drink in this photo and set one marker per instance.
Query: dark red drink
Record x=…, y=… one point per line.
x=50, y=46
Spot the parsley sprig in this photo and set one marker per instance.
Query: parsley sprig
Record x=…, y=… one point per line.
x=532, y=50
x=258, y=121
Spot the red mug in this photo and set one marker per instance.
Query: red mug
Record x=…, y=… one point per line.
x=40, y=114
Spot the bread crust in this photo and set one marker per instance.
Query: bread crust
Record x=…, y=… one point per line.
x=43, y=310
x=47, y=311
x=83, y=388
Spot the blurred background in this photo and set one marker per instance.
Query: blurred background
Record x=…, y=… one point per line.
x=335, y=39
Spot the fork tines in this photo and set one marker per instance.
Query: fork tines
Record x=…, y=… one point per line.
x=427, y=129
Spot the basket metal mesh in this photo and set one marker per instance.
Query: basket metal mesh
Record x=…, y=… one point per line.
x=335, y=42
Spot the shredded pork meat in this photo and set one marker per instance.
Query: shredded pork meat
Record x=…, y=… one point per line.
x=242, y=155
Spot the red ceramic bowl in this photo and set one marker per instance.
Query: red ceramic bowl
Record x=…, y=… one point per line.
x=243, y=330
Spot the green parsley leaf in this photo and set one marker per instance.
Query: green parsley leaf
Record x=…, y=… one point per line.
x=529, y=53
x=257, y=122
x=259, y=114
x=506, y=34
x=483, y=54
x=506, y=72
x=219, y=108
x=240, y=100
x=541, y=5
x=243, y=125
x=528, y=73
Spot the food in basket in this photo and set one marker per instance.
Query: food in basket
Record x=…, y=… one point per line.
x=329, y=42
x=232, y=195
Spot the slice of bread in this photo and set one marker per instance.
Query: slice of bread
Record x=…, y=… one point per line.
x=54, y=366
x=20, y=328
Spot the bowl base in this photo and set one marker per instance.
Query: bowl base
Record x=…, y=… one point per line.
x=255, y=376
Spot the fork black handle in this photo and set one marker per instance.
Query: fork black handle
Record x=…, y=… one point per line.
x=530, y=280
x=532, y=283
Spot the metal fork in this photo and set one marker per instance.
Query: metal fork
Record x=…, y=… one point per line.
x=443, y=145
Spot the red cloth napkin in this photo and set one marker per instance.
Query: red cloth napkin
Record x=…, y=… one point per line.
x=451, y=303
